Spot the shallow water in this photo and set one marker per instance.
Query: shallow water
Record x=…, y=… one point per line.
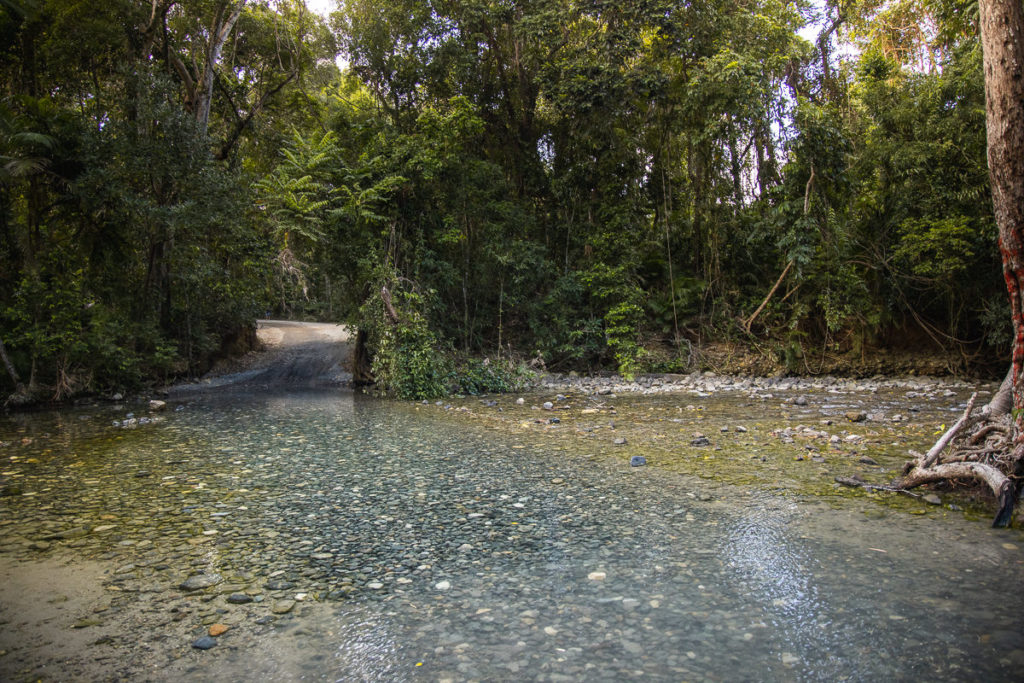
x=426, y=547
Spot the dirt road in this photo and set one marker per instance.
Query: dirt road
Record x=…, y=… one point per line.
x=294, y=353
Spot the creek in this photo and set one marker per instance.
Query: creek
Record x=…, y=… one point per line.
x=339, y=537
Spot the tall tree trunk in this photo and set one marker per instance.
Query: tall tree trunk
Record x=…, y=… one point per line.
x=223, y=23
x=18, y=386
x=1002, y=41
x=199, y=84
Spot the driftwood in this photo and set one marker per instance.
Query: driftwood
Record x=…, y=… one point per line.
x=978, y=447
x=940, y=445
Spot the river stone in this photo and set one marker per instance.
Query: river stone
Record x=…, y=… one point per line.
x=199, y=581
x=856, y=415
x=239, y=599
x=637, y=461
x=204, y=643
x=619, y=441
x=218, y=629
x=932, y=499
x=867, y=460
x=700, y=440
x=278, y=585
x=77, y=532
x=283, y=606
x=86, y=623
x=548, y=405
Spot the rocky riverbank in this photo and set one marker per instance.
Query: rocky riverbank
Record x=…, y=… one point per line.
x=800, y=436
x=703, y=384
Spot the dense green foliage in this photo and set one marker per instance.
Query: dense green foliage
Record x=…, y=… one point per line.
x=130, y=245
x=587, y=184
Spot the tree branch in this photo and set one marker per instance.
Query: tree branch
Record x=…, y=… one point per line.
x=243, y=122
x=764, y=303
x=389, y=309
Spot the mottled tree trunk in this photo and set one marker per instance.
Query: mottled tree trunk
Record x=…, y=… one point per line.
x=1002, y=40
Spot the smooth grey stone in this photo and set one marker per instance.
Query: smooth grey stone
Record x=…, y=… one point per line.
x=204, y=643
x=199, y=581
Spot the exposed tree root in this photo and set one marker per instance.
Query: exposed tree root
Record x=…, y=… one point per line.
x=1000, y=484
x=980, y=447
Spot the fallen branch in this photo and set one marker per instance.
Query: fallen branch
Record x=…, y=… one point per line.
x=933, y=453
x=857, y=482
x=750, y=320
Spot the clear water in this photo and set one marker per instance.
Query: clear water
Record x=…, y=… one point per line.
x=428, y=548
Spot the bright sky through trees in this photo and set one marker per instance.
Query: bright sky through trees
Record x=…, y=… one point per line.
x=321, y=7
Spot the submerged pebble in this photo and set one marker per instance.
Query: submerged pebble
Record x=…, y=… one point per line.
x=204, y=643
